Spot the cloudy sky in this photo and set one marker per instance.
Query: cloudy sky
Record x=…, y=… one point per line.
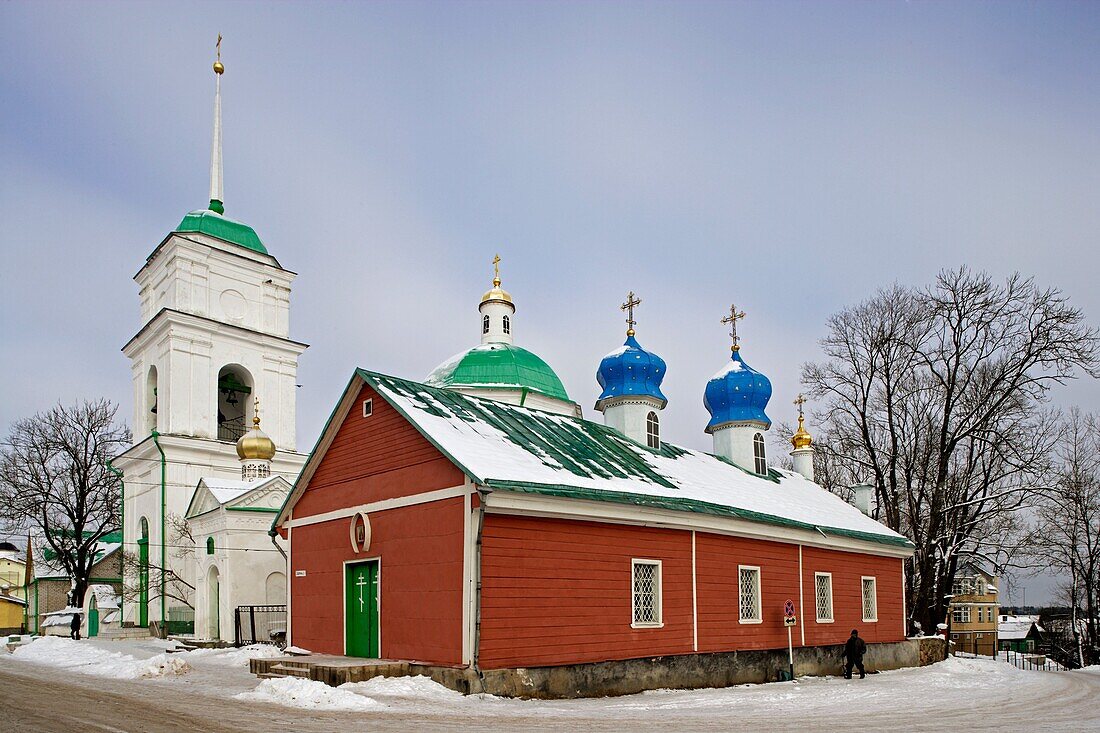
x=791, y=157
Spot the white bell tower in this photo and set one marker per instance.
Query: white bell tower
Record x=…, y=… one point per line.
x=215, y=315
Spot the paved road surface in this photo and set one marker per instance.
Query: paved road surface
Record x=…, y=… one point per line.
x=38, y=698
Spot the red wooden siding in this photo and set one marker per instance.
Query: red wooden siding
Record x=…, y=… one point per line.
x=847, y=568
x=559, y=592
x=716, y=561
x=374, y=458
x=420, y=553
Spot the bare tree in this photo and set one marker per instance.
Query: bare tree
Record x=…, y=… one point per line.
x=938, y=396
x=158, y=581
x=1066, y=532
x=54, y=477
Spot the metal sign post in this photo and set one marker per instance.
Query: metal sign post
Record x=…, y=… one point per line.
x=789, y=620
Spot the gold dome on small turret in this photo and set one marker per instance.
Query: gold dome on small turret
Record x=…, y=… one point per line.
x=801, y=438
x=255, y=445
x=497, y=293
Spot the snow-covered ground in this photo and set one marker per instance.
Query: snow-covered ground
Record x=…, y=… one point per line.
x=960, y=693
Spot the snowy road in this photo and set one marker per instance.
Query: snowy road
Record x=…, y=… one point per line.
x=104, y=686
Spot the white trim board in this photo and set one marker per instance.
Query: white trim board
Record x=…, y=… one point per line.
x=381, y=506
x=499, y=501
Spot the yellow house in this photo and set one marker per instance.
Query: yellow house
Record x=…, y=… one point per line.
x=972, y=612
x=13, y=603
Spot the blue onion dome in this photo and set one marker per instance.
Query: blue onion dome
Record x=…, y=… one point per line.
x=737, y=393
x=631, y=371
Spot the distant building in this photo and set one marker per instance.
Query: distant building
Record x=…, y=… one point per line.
x=973, y=611
x=48, y=591
x=1019, y=633
x=13, y=604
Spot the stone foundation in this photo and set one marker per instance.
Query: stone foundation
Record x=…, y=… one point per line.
x=622, y=677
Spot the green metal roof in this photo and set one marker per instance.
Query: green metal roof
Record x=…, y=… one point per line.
x=499, y=365
x=211, y=222
x=511, y=448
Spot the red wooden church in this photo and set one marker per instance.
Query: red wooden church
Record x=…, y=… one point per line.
x=435, y=525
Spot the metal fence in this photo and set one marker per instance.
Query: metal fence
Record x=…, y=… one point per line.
x=260, y=625
x=181, y=620
x=1040, y=656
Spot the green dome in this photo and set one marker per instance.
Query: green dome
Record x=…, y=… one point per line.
x=216, y=225
x=498, y=365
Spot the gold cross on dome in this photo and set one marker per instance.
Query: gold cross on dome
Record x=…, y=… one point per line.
x=732, y=319
x=256, y=412
x=631, y=302
x=799, y=402
x=496, y=270
x=218, y=47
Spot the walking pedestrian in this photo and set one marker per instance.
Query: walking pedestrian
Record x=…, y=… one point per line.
x=854, y=650
x=74, y=627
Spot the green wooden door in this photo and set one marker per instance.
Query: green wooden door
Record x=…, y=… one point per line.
x=361, y=609
x=93, y=622
x=143, y=582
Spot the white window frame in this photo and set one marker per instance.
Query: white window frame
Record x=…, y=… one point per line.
x=961, y=614
x=659, y=593
x=653, y=430
x=368, y=407
x=760, y=458
x=817, y=609
x=863, y=599
x=758, y=612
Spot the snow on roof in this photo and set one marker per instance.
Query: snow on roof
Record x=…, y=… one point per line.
x=226, y=490
x=516, y=448
x=1015, y=629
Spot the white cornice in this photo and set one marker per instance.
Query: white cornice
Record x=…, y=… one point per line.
x=507, y=502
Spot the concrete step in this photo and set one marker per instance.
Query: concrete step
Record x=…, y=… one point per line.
x=282, y=670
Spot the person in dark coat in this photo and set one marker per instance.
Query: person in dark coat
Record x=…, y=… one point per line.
x=854, y=650
x=74, y=627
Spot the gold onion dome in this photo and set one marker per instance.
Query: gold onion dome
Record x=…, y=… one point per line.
x=801, y=438
x=255, y=445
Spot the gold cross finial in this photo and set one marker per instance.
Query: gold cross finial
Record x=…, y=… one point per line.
x=631, y=302
x=732, y=319
x=496, y=271
x=799, y=402
x=256, y=412
x=218, y=67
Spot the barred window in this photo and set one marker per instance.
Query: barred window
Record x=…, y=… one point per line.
x=653, y=430
x=748, y=594
x=485, y=324
x=823, y=591
x=507, y=325
x=870, y=599
x=646, y=594
x=759, y=455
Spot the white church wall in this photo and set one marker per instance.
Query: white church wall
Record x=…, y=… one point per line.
x=203, y=276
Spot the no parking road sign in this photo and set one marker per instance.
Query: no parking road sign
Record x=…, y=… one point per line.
x=789, y=620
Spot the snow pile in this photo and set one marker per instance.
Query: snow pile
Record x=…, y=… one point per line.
x=296, y=692
x=235, y=657
x=395, y=689
x=93, y=660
